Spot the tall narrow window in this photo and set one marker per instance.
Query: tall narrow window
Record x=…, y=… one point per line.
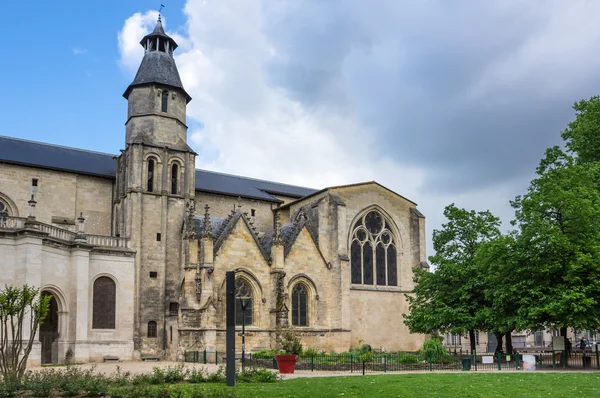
x=373, y=251
x=152, y=332
x=164, y=101
x=174, y=174
x=243, y=296
x=104, y=303
x=150, y=175
x=299, y=305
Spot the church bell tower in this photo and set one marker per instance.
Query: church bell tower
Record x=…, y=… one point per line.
x=154, y=189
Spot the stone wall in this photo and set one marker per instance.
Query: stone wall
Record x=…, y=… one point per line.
x=61, y=195
x=68, y=272
x=222, y=205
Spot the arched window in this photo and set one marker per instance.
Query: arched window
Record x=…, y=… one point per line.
x=152, y=332
x=104, y=303
x=164, y=101
x=299, y=305
x=174, y=175
x=150, y=175
x=3, y=209
x=373, y=251
x=243, y=296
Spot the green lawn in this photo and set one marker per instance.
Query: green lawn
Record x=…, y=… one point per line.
x=511, y=385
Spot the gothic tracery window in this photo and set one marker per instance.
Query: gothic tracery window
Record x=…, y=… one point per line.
x=373, y=251
x=299, y=305
x=104, y=303
x=243, y=294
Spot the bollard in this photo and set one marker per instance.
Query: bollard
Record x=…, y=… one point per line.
x=204, y=357
x=499, y=361
x=363, y=368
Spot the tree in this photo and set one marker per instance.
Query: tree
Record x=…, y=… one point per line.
x=559, y=221
x=499, y=259
x=22, y=310
x=582, y=136
x=452, y=298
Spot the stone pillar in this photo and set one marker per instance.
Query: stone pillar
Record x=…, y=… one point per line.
x=80, y=261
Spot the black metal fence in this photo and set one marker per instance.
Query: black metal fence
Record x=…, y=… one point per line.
x=415, y=361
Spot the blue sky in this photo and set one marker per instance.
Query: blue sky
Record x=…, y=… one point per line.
x=440, y=101
x=64, y=79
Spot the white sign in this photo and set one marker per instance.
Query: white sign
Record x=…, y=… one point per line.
x=487, y=359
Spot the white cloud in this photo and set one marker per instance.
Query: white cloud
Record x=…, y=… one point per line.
x=257, y=127
x=79, y=50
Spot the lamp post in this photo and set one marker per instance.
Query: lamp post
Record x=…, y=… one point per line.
x=244, y=301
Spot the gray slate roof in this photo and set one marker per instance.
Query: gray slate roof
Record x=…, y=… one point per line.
x=55, y=157
x=37, y=154
x=157, y=67
x=210, y=181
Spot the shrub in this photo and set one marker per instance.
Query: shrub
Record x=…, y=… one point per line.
x=175, y=374
x=255, y=375
x=288, y=341
x=433, y=349
x=218, y=376
x=196, y=376
x=264, y=354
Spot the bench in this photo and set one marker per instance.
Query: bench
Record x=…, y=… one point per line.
x=111, y=358
x=151, y=358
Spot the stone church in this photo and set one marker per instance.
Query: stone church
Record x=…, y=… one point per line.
x=133, y=247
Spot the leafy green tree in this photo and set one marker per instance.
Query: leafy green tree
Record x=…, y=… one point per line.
x=582, y=136
x=452, y=298
x=22, y=311
x=559, y=222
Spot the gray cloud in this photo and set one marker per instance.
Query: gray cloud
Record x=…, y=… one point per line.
x=472, y=92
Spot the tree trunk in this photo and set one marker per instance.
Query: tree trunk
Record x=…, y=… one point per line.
x=509, y=346
x=472, y=340
x=499, y=345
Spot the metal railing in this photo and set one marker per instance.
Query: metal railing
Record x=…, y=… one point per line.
x=415, y=361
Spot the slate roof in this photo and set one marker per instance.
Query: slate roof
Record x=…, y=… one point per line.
x=157, y=67
x=213, y=182
x=37, y=154
x=159, y=31
x=55, y=157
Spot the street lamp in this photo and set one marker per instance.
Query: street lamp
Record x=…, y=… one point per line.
x=244, y=301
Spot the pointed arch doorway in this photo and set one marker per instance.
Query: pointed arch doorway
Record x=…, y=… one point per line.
x=49, y=332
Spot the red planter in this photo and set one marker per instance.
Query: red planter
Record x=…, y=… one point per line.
x=286, y=363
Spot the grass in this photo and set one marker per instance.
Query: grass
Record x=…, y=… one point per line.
x=513, y=385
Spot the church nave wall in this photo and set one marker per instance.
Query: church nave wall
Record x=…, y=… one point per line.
x=61, y=195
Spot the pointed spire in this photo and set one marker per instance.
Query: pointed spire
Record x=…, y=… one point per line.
x=158, y=65
x=277, y=235
x=207, y=233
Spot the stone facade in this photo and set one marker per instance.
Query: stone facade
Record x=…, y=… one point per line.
x=166, y=244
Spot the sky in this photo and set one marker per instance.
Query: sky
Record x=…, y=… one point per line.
x=443, y=102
